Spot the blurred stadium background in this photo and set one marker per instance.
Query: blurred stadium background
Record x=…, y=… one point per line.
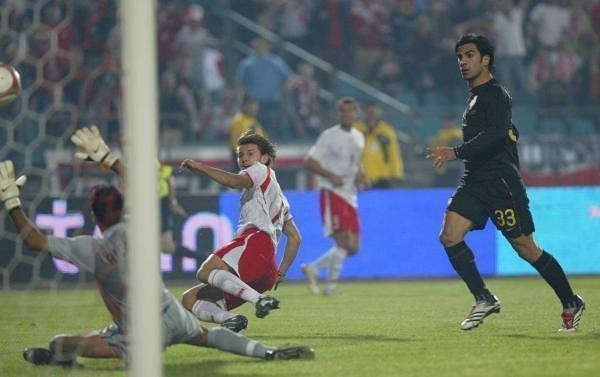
x=397, y=53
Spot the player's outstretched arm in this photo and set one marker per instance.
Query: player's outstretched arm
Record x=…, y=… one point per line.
x=225, y=178
x=294, y=239
x=9, y=194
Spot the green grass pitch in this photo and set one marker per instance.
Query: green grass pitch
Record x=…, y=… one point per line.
x=375, y=329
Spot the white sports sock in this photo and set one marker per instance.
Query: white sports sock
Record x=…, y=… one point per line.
x=210, y=312
x=229, y=341
x=228, y=282
x=335, y=267
x=324, y=260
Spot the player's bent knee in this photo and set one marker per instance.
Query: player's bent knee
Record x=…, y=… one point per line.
x=202, y=274
x=188, y=298
x=528, y=253
x=447, y=239
x=526, y=248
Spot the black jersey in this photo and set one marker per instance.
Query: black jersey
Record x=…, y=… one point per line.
x=489, y=147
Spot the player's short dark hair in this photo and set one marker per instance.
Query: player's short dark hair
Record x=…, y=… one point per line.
x=264, y=145
x=107, y=205
x=345, y=100
x=483, y=44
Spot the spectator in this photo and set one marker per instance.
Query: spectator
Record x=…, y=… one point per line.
x=331, y=33
x=169, y=22
x=420, y=60
x=386, y=73
x=370, y=27
x=177, y=105
x=507, y=27
x=553, y=73
x=548, y=21
x=243, y=121
x=304, y=102
x=223, y=114
x=403, y=15
x=448, y=135
x=381, y=159
x=190, y=44
x=264, y=76
x=214, y=84
x=293, y=21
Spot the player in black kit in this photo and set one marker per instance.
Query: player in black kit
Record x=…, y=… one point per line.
x=491, y=187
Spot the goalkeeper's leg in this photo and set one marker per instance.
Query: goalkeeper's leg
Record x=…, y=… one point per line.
x=229, y=341
x=64, y=349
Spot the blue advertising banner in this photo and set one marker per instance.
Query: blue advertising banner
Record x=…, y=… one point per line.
x=399, y=234
x=567, y=223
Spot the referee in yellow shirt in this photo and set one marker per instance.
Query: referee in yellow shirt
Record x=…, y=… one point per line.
x=382, y=160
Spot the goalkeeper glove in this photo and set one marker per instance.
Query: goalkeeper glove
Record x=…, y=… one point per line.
x=92, y=146
x=9, y=187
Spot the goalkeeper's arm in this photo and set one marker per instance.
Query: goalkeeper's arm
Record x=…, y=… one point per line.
x=34, y=239
x=9, y=194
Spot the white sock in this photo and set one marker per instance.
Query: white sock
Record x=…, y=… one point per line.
x=325, y=260
x=210, y=312
x=335, y=267
x=228, y=282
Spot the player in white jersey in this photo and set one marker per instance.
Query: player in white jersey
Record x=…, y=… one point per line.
x=106, y=259
x=336, y=159
x=246, y=267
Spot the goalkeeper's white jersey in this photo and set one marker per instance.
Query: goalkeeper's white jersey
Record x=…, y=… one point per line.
x=263, y=206
x=340, y=152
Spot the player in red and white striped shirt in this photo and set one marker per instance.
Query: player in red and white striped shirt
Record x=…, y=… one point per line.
x=246, y=267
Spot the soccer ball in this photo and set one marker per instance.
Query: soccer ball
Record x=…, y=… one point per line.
x=10, y=84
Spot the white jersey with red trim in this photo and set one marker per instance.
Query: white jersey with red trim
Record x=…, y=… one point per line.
x=340, y=152
x=263, y=206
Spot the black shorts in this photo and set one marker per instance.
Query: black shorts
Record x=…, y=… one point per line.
x=166, y=217
x=503, y=199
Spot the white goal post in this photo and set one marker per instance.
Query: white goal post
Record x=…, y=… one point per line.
x=140, y=124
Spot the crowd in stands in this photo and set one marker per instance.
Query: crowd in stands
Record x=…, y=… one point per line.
x=408, y=45
x=548, y=54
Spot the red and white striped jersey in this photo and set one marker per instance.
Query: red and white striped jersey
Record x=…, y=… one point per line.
x=263, y=206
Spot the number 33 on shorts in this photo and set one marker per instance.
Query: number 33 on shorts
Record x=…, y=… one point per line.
x=505, y=218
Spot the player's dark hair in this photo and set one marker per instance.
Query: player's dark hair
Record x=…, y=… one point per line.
x=345, y=100
x=264, y=145
x=107, y=205
x=484, y=46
